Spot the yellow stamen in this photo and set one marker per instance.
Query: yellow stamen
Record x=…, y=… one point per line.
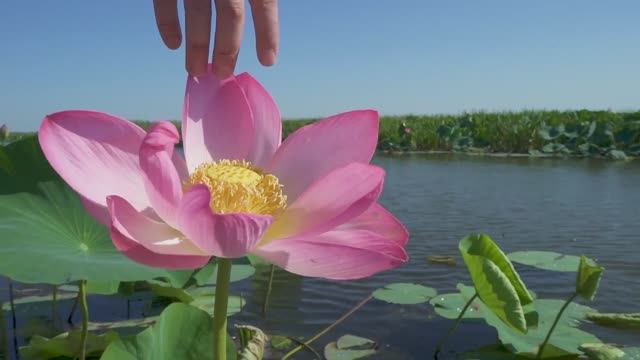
x=237, y=186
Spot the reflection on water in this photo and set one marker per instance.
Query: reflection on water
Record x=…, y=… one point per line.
x=573, y=206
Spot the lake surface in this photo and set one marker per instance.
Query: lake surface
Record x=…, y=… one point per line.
x=572, y=206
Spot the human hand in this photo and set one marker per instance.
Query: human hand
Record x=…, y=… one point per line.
x=229, y=25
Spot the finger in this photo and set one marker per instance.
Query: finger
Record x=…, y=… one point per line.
x=265, y=22
x=197, y=15
x=229, y=25
x=168, y=23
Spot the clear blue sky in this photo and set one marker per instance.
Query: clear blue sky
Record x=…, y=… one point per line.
x=413, y=57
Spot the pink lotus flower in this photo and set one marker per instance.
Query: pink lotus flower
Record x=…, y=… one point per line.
x=308, y=205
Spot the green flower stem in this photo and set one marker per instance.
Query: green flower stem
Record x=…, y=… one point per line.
x=327, y=329
x=220, y=309
x=13, y=320
x=454, y=326
x=265, y=305
x=82, y=295
x=54, y=303
x=555, y=322
x=4, y=338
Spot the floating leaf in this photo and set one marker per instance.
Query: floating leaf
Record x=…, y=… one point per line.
x=623, y=321
x=205, y=273
x=203, y=298
x=66, y=344
x=51, y=239
x=602, y=352
x=161, y=288
x=182, y=332
x=405, y=293
x=546, y=260
x=238, y=272
x=495, y=280
x=588, y=278
x=449, y=260
x=252, y=342
x=123, y=324
x=631, y=353
x=103, y=288
x=280, y=342
x=94, y=287
x=450, y=305
x=499, y=352
x=566, y=336
x=350, y=347
x=37, y=299
x=491, y=352
x=350, y=341
x=257, y=261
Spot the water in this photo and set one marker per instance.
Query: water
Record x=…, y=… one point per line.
x=570, y=206
x=573, y=206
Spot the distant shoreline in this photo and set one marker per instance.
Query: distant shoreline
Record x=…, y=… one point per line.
x=544, y=134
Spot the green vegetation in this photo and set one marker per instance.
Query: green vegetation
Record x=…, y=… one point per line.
x=614, y=135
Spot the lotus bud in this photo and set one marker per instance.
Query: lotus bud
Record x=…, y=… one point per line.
x=4, y=132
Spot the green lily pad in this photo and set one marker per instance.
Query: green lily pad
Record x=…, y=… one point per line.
x=103, y=288
x=67, y=345
x=450, y=305
x=51, y=239
x=631, y=353
x=205, y=273
x=405, y=293
x=280, y=342
x=256, y=260
x=546, y=260
x=588, y=278
x=447, y=260
x=6, y=306
x=566, y=336
x=238, y=272
x=182, y=332
x=499, y=352
x=602, y=352
x=123, y=324
x=622, y=321
x=207, y=302
x=94, y=287
x=489, y=352
x=161, y=288
x=351, y=341
x=23, y=166
x=495, y=280
x=350, y=347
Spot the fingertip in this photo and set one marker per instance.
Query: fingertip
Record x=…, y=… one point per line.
x=173, y=42
x=267, y=57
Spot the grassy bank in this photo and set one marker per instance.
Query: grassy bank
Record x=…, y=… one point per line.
x=582, y=133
